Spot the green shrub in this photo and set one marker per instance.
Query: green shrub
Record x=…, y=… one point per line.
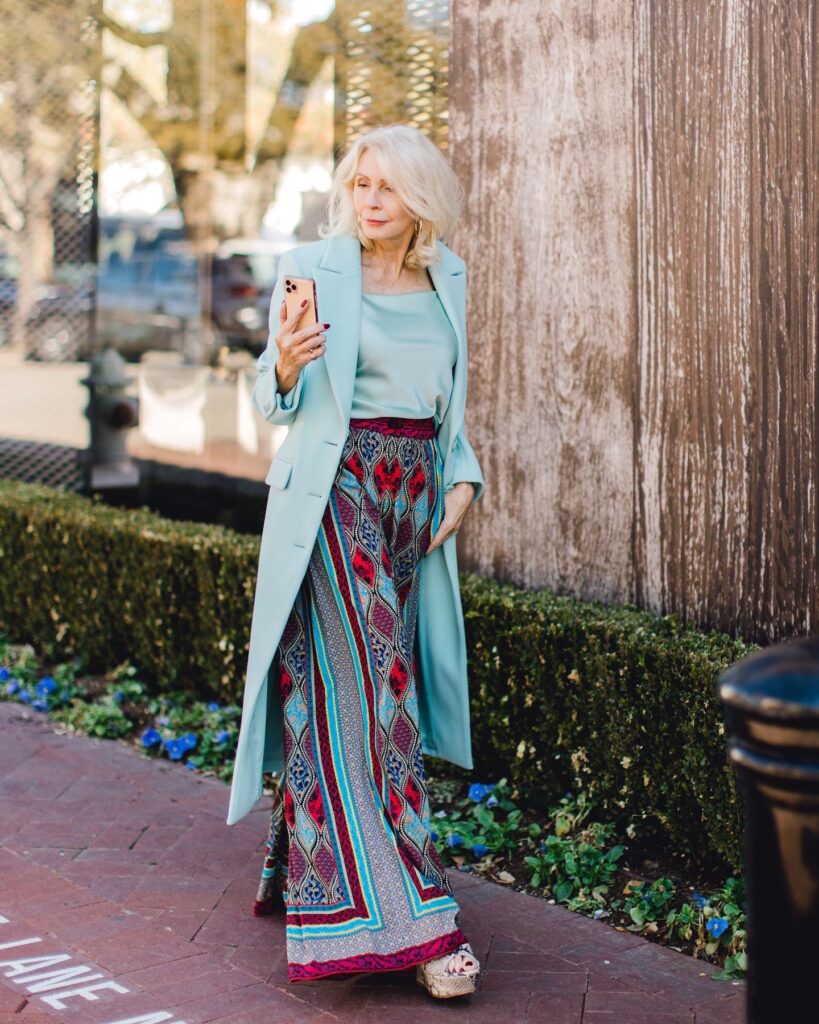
x=614, y=702
x=84, y=578
x=566, y=695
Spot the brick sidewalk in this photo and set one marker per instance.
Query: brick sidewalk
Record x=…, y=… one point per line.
x=123, y=868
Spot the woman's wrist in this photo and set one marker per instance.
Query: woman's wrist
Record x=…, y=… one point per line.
x=286, y=381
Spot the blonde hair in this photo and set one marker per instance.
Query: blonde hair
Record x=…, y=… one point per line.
x=421, y=177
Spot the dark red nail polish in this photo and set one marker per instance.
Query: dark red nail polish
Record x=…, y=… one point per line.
x=326, y=325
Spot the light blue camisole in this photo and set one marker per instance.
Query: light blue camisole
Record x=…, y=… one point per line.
x=406, y=354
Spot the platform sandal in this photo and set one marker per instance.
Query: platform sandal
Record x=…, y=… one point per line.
x=443, y=980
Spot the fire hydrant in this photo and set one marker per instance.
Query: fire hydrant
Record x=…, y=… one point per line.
x=111, y=413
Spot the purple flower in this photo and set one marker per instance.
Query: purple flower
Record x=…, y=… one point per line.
x=478, y=790
x=150, y=738
x=162, y=719
x=175, y=749
x=715, y=926
x=46, y=685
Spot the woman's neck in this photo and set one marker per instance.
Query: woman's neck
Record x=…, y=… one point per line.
x=385, y=262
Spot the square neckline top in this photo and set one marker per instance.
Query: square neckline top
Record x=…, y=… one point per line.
x=406, y=356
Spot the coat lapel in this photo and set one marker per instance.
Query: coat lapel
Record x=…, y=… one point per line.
x=338, y=295
x=450, y=283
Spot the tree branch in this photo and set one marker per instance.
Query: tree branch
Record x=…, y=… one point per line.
x=129, y=35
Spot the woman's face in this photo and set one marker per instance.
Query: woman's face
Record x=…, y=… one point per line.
x=383, y=215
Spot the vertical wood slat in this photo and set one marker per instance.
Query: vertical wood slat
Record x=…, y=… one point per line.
x=540, y=132
x=693, y=282
x=783, y=407
x=641, y=242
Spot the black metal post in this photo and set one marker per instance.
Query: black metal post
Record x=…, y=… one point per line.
x=772, y=710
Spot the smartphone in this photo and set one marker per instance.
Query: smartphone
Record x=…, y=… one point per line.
x=296, y=290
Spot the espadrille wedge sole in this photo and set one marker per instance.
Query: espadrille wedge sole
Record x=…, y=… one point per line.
x=443, y=983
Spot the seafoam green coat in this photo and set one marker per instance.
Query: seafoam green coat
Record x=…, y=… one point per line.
x=317, y=414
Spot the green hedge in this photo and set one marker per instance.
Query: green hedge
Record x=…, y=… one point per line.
x=565, y=694
x=614, y=701
x=81, y=577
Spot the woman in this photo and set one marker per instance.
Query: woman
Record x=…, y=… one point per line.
x=357, y=585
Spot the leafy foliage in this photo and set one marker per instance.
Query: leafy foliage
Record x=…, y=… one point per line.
x=577, y=870
x=611, y=702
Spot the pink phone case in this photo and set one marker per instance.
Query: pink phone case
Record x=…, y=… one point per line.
x=296, y=290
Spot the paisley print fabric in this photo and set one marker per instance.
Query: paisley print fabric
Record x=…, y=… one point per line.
x=366, y=889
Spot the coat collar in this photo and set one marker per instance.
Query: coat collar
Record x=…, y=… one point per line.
x=338, y=294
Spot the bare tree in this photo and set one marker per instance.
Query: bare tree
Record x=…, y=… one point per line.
x=200, y=125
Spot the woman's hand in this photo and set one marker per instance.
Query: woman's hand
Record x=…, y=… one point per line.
x=457, y=502
x=296, y=348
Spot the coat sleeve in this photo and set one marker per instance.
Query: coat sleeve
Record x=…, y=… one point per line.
x=279, y=409
x=467, y=467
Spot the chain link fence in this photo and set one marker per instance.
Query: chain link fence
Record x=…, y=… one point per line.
x=48, y=105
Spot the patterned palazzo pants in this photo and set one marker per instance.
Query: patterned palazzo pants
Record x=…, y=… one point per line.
x=349, y=837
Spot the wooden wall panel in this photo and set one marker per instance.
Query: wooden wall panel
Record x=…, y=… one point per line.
x=780, y=597
x=693, y=281
x=642, y=238
x=541, y=136
x=725, y=420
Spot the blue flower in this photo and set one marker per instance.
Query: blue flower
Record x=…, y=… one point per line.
x=118, y=696
x=176, y=749
x=46, y=685
x=698, y=900
x=40, y=705
x=715, y=926
x=25, y=697
x=4, y=673
x=480, y=849
x=190, y=764
x=454, y=840
x=150, y=738
x=213, y=706
x=433, y=836
x=188, y=741
x=162, y=719
x=223, y=736
x=478, y=790
x=492, y=801
x=12, y=687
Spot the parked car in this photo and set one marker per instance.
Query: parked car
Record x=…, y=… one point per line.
x=261, y=259
x=153, y=292
x=57, y=326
